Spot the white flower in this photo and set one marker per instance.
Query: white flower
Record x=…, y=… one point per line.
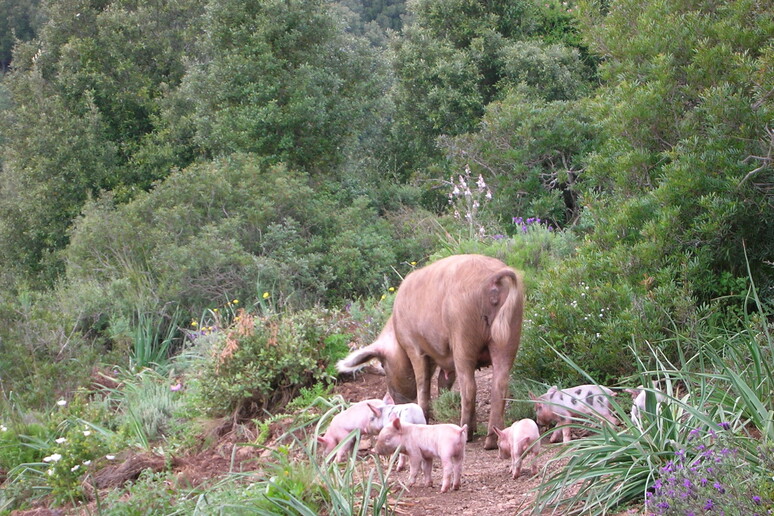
x=60, y=440
x=50, y=472
x=86, y=462
x=52, y=458
x=74, y=468
x=61, y=403
x=110, y=457
x=86, y=433
x=3, y=428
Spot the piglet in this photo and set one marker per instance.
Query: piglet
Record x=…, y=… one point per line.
x=423, y=443
x=560, y=406
x=639, y=395
x=514, y=441
x=406, y=412
x=356, y=416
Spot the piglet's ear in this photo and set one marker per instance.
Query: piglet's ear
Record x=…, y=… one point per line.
x=377, y=411
x=388, y=399
x=396, y=423
x=498, y=432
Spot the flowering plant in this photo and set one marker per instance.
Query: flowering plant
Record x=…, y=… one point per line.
x=468, y=198
x=710, y=478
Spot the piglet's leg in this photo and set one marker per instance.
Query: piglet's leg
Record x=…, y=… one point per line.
x=427, y=468
x=416, y=464
x=457, y=474
x=566, y=432
x=448, y=468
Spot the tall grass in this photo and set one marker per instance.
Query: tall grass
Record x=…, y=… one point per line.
x=728, y=381
x=152, y=339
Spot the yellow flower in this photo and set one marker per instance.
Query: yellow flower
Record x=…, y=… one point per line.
x=413, y=263
x=383, y=296
x=266, y=295
x=391, y=289
x=235, y=301
x=215, y=310
x=194, y=324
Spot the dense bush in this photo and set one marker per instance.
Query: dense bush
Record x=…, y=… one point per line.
x=261, y=363
x=224, y=230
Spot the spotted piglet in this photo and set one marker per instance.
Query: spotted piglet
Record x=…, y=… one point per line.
x=560, y=406
x=423, y=443
x=515, y=440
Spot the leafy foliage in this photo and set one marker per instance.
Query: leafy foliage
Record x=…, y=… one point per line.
x=261, y=363
x=283, y=81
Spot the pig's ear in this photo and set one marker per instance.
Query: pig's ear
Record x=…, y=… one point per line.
x=388, y=399
x=377, y=411
x=396, y=423
x=321, y=439
x=498, y=432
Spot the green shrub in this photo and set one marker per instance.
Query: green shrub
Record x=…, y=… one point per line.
x=149, y=494
x=260, y=363
x=446, y=407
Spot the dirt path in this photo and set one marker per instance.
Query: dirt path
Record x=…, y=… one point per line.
x=487, y=487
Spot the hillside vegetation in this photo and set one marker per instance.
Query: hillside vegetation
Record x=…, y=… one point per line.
x=202, y=203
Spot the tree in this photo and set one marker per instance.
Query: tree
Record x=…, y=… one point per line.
x=84, y=96
x=282, y=79
x=455, y=57
x=19, y=21
x=688, y=122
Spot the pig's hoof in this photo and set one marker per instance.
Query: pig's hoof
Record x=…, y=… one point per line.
x=491, y=442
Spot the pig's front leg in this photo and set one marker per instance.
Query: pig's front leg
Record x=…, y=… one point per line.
x=566, y=432
x=555, y=436
x=416, y=463
x=516, y=466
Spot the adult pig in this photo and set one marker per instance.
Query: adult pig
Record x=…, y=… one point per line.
x=459, y=313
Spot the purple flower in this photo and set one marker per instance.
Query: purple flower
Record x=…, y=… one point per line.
x=498, y=237
x=724, y=425
x=719, y=487
x=709, y=505
x=657, y=485
x=693, y=433
x=703, y=481
x=663, y=505
x=687, y=483
x=176, y=387
x=757, y=499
